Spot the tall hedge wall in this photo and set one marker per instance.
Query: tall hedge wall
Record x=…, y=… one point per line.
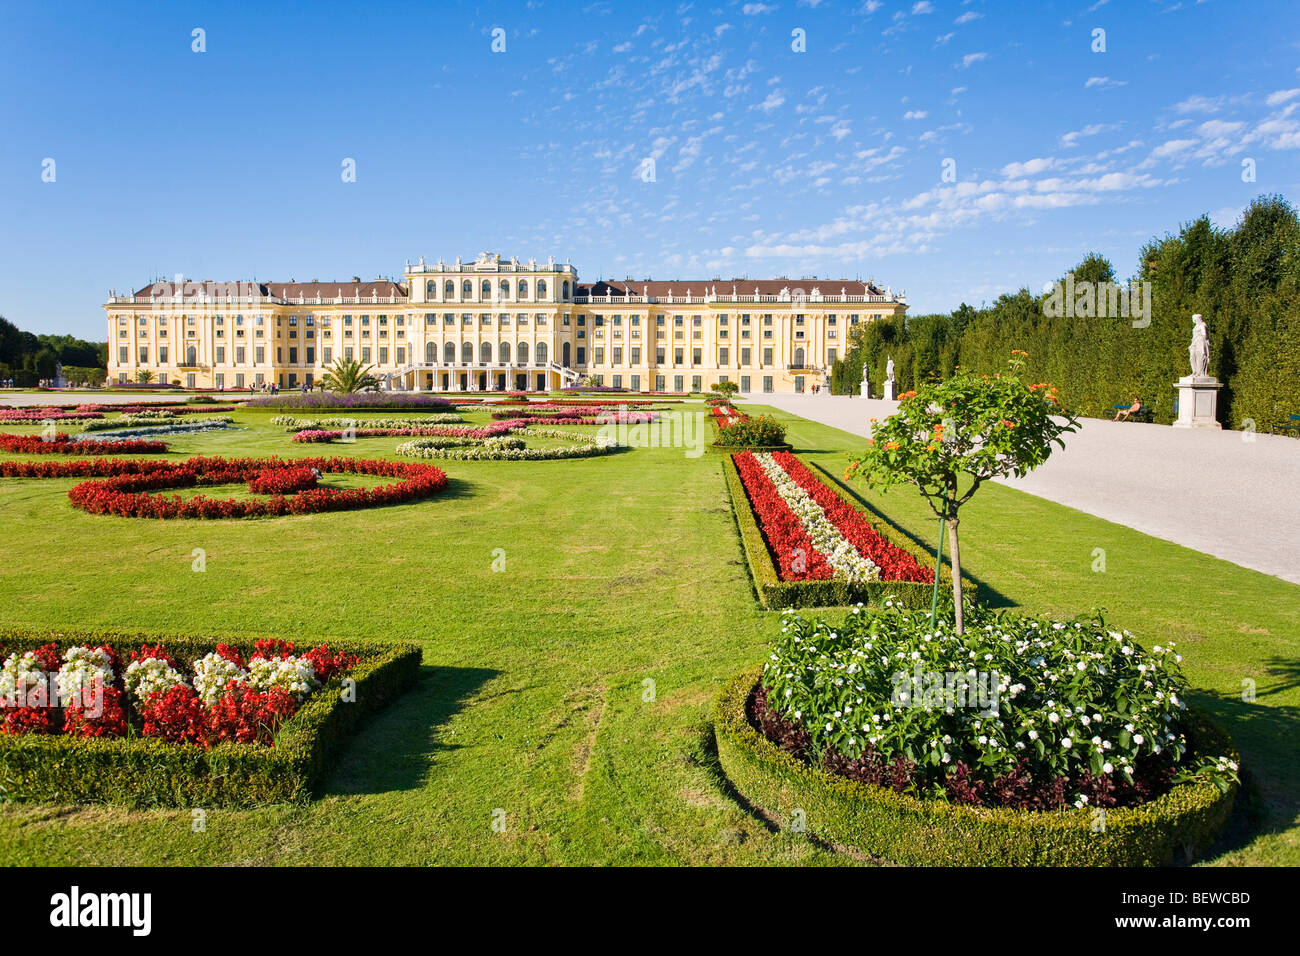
x=1244, y=280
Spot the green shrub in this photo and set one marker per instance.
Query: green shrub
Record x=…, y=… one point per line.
x=904, y=829
x=763, y=431
x=139, y=771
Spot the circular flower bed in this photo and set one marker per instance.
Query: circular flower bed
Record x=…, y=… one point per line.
x=1021, y=741
x=63, y=444
x=283, y=481
x=127, y=487
x=508, y=449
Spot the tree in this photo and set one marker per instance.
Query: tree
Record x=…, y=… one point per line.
x=348, y=375
x=726, y=389
x=949, y=438
x=144, y=376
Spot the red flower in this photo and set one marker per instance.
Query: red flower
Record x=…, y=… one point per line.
x=79, y=718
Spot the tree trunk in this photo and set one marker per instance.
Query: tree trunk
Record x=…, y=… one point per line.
x=954, y=558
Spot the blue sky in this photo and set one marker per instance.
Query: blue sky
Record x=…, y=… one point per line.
x=227, y=164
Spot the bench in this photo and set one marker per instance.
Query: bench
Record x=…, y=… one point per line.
x=1143, y=414
x=1292, y=424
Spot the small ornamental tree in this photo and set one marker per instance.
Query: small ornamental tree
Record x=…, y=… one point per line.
x=725, y=389
x=960, y=433
x=348, y=376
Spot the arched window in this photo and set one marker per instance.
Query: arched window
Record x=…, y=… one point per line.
x=466, y=290
x=485, y=352
x=522, y=351
x=522, y=291
x=505, y=288
x=541, y=288
x=449, y=353
x=431, y=353
x=191, y=356
x=541, y=353
x=503, y=353
x=428, y=289
x=564, y=291
x=466, y=352
x=798, y=358
x=566, y=355
x=487, y=289
x=449, y=290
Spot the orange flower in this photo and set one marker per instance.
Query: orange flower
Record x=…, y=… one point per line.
x=1019, y=352
x=1008, y=424
x=933, y=446
x=906, y=395
x=890, y=446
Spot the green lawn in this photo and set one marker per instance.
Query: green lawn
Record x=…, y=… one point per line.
x=619, y=569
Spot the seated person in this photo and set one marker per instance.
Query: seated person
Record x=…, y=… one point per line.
x=1124, y=413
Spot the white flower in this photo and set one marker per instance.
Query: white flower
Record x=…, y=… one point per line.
x=82, y=668
x=149, y=676
x=1067, y=743
x=211, y=674
x=292, y=674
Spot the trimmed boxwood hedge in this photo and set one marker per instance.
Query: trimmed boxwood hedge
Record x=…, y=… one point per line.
x=733, y=449
x=139, y=771
x=775, y=594
x=901, y=828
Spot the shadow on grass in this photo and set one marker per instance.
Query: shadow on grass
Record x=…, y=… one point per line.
x=396, y=749
x=1267, y=802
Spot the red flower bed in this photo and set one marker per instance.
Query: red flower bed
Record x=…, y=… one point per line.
x=895, y=564
x=316, y=435
x=786, y=536
x=787, y=540
x=282, y=481
x=64, y=445
x=124, y=487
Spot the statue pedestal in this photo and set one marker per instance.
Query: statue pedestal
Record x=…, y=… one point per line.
x=1198, y=401
x=891, y=390
x=865, y=389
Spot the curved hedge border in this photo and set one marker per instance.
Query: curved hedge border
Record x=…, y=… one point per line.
x=904, y=829
x=142, y=771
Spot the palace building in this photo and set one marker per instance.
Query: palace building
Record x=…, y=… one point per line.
x=493, y=324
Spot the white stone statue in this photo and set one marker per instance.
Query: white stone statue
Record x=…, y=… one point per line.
x=889, y=369
x=1199, y=350
x=864, y=372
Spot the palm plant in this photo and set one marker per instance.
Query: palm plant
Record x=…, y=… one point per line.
x=348, y=376
x=144, y=376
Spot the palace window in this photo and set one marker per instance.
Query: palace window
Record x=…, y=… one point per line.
x=522, y=289
x=466, y=290
x=541, y=288
x=449, y=290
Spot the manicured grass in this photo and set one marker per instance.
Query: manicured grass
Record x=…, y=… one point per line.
x=618, y=570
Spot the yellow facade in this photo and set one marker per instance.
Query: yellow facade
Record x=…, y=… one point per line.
x=493, y=324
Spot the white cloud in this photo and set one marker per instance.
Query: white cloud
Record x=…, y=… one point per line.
x=1103, y=82
x=915, y=115
x=1199, y=104
x=967, y=17
x=753, y=9
x=1092, y=129
x=1030, y=167
x=922, y=6
x=1282, y=96
x=970, y=58
x=773, y=101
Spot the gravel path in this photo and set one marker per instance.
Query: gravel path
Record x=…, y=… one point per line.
x=1212, y=491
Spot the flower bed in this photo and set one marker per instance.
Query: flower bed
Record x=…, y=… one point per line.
x=902, y=828
x=24, y=416
x=508, y=449
x=282, y=481
x=806, y=545
x=122, y=719
x=355, y=400
x=62, y=444
x=126, y=487
x=298, y=424
x=495, y=430
x=150, y=431
x=1016, y=714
